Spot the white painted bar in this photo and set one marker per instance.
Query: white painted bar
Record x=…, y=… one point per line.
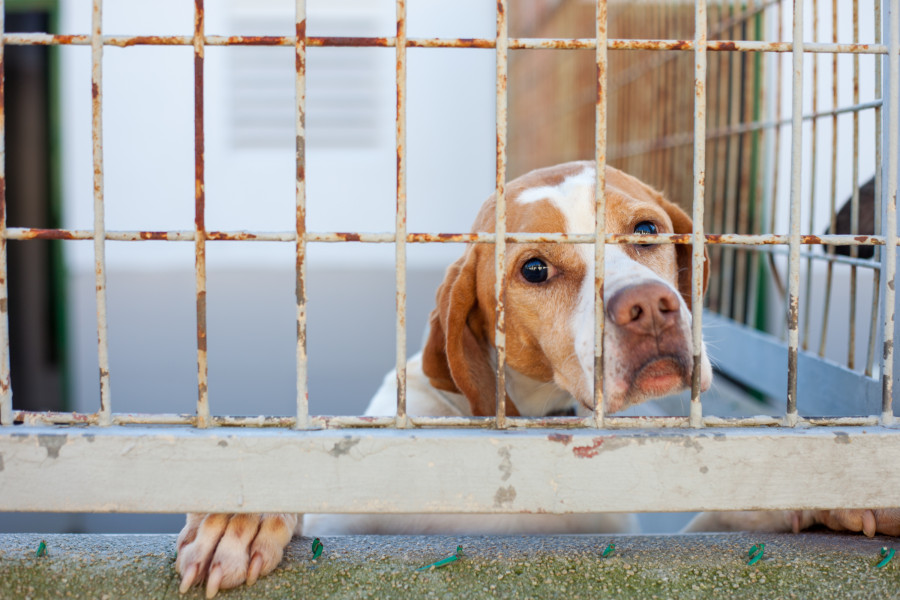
x=139, y=469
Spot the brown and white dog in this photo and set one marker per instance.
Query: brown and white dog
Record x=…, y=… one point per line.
x=550, y=327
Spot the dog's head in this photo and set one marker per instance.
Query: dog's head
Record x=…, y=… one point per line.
x=647, y=347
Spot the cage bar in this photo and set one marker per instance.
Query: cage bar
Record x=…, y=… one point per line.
x=793, y=300
x=6, y=416
x=812, y=182
x=602, y=65
x=697, y=260
x=832, y=190
x=854, y=198
x=200, y=219
x=890, y=221
x=500, y=212
x=879, y=141
x=99, y=211
x=124, y=41
x=400, y=222
x=300, y=212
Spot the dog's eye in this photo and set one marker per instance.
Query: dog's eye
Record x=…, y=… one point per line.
x=535, y=271
x=645, y=227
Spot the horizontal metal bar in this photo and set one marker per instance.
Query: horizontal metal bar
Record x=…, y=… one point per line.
x=240, y=470
x=19, y=233
x=33, y=418
x=686, y=138
x=123, y=41
x=824, y=387
x=831, y=258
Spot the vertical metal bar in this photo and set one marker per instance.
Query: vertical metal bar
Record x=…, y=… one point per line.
x=890, y=221
x=300, y=191
x=876, y=275
x=812, y=180
x=832, y=192
x=203, y=419
x=99, y=220
x=700, y=37
x=5, y=385
x=777, y=146
x=732, y=169
x=400, y=223
x=854, y=199
x=602, y=61
x=791, y=415
x=500, y=213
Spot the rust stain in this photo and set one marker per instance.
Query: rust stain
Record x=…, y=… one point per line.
x=348, y=237
x=501, y=9
x=563, y=438
x=143, y=40
x=588, y=451
x=95, y=90
x=257, y=40
x=726, y=46
x=348, y=41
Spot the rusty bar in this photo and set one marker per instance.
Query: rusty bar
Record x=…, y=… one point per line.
x=400, y=218
x=832, y=190
x=876, y=280
x=600, y=134
x=203, y=419
x=854, y=198
x=890, y=224
x=99, y=219
x=828, y=258
x=6, y=415
x=302, y=421
x=46, y=39
x=812, y=180
x=687, y=138
x=24, y=233
x=791, y=414
x=732, y=180
x=776, y=145
x=500, y=213
x=697, y=262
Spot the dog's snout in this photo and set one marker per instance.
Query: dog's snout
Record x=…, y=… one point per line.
x=644, y=308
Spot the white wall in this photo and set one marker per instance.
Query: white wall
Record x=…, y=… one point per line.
x=148, y=133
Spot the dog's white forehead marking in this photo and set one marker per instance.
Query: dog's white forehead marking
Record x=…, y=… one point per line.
x=574, y=198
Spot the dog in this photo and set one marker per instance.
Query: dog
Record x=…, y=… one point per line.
x=648, y=353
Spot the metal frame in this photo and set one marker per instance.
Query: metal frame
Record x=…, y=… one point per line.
x=137, y=458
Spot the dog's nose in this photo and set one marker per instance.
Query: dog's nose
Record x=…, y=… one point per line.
x=644, y=308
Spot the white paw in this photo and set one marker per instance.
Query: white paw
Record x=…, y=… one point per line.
x=227, y=550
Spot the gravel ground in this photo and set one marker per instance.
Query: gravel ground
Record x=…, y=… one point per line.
x=811, y=565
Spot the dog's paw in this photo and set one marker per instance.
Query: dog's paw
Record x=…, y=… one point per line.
x=885, y=521
x=227, y=550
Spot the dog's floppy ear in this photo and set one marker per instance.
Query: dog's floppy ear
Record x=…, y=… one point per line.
x=456, y=357
x=681, y=223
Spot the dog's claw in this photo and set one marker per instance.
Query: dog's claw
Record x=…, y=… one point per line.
x=256, y=564
x=214, y=581
x=187, y=580
x=869, y=524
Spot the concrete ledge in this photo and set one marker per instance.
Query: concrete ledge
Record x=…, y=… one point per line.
x=812, y=565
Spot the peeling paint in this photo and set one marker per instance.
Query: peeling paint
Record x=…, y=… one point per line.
x=563, y=438
x=343, y=447
x=841, y=437
x=504, y=495
x=588, y=451
x=506, y=464
x=52, y=443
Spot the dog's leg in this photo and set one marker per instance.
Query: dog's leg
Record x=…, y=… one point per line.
x=884, y=521
x=227, y=550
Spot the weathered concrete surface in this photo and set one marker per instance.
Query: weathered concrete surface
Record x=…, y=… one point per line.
x=679, y=566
